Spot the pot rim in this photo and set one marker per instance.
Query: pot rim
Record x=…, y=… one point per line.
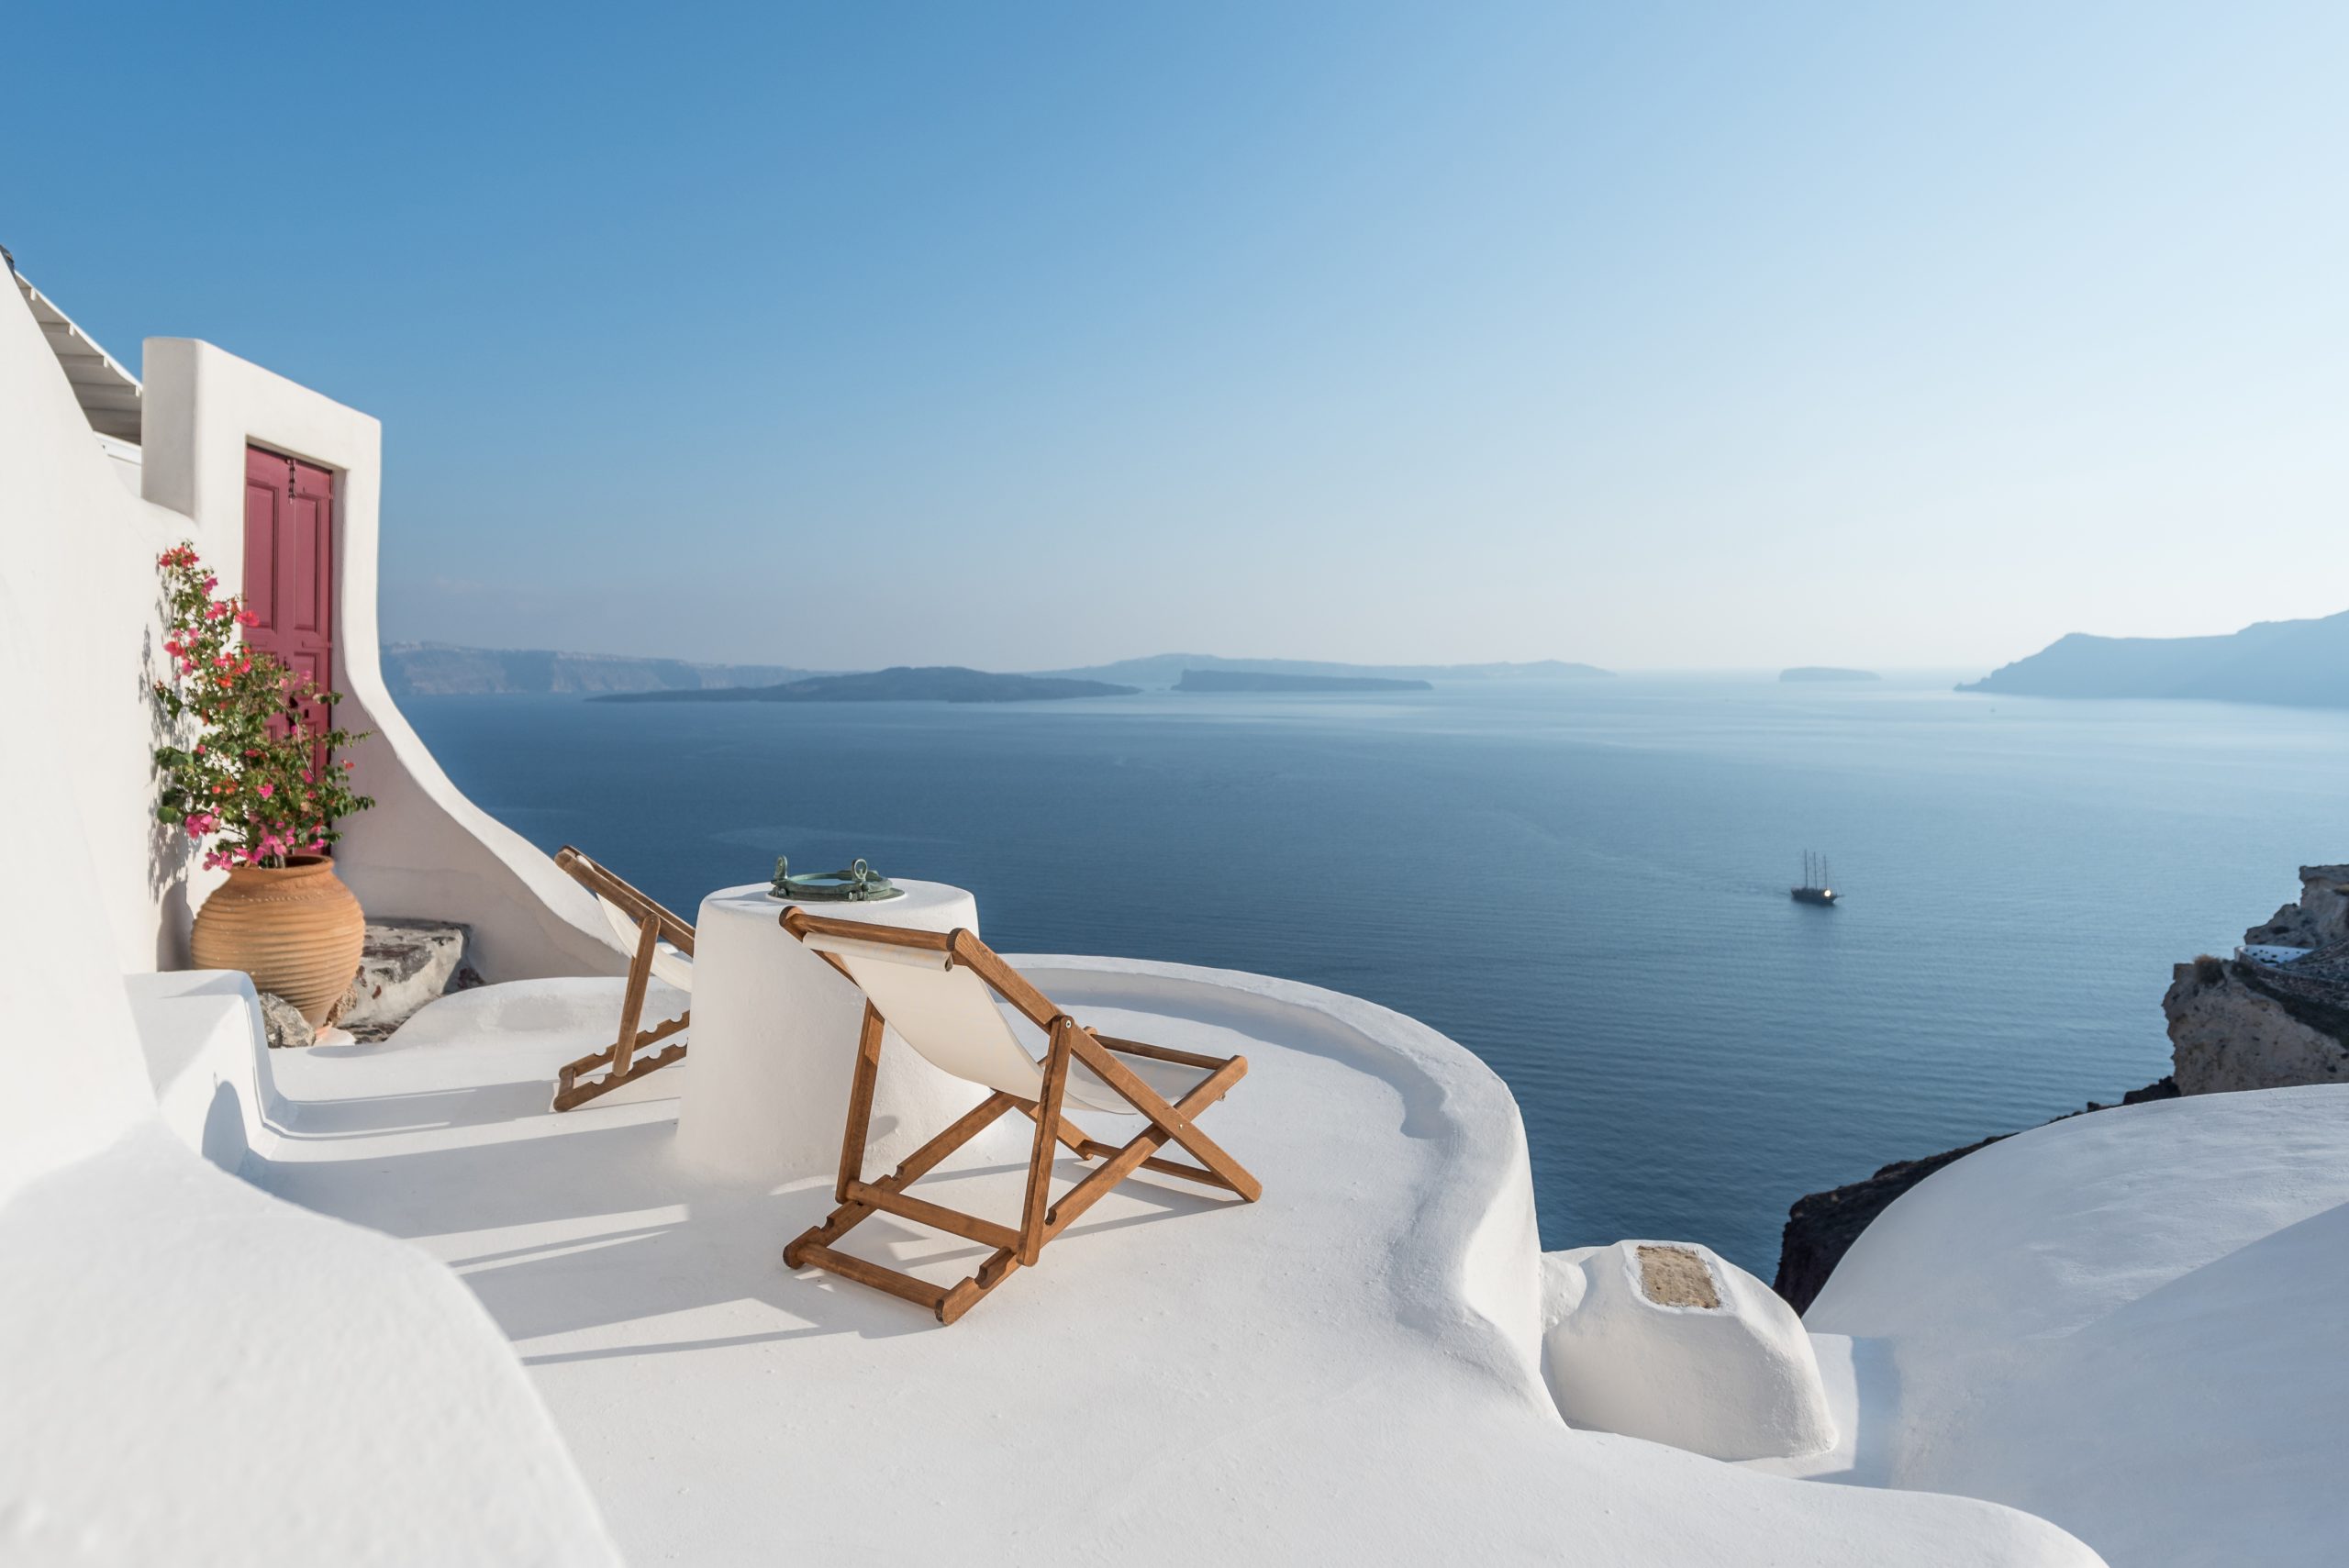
x=293, y=863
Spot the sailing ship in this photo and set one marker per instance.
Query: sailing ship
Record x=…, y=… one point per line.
x=1815, y=888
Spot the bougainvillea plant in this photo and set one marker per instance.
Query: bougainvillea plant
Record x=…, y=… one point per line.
x=254, y=778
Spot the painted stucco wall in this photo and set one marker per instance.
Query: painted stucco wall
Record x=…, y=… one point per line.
x=425, y=849
x=79, y=570
x=80, y=566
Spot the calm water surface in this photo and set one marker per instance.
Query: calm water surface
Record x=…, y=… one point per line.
x=1583, y=882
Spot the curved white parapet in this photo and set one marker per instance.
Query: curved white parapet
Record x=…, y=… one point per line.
x=1478, y=1223
x=1668, y=1340
x=775, y=1036
x=200, y=1374
x=208, y=1055
x=2130, y=1323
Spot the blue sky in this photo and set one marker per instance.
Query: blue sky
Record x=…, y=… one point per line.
x=1029, y=336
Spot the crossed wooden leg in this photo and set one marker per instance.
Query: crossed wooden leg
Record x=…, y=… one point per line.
x=571, y=1089
x=1041, y=1220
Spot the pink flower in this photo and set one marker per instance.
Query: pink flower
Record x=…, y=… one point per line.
x=248, y=618
x=268, y=790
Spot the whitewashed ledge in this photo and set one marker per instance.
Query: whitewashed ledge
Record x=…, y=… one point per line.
x=1345, y=1372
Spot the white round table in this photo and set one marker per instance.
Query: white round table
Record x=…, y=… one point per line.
x=773, y=1044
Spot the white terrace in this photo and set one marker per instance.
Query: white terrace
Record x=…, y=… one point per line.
x=376, y=1303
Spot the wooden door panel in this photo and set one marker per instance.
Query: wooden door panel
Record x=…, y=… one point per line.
x=289, y=565
x=261, y=542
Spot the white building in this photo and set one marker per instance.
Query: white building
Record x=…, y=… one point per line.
x=378, y=1305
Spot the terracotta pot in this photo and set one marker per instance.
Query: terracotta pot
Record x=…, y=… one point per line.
x=295, y=928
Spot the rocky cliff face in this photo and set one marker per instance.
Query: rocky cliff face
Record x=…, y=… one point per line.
x=2253, y=1024
x=2318, y=919
x=2247, y=1026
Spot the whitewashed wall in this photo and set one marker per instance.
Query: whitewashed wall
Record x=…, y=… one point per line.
x=79, y=566
x=79, y=562
x=425, y=849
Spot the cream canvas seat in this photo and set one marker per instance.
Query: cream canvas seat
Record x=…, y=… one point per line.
x=939, y=993
x=661, y=946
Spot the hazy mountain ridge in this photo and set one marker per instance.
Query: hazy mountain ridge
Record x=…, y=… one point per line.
x=2298, y=664
x=1274, y=681
x=441, y=669
x=1163, y=669
x=901, y=683
x=445, y=669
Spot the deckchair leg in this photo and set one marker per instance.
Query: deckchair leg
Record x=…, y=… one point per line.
x=640, y=975
x=1040, y=1163
x=967, y=1293
x=848, y=1216
x=573, y=1088
x=1124, y=1161
x=860, y=1103
x=1070, y=1136
x=1174, y=1120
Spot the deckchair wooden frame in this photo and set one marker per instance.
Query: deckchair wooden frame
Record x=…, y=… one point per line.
x=654, y=925
x=1040, y=1219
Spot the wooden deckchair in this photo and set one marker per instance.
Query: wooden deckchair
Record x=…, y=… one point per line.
x=662, y=945
x=934, y=990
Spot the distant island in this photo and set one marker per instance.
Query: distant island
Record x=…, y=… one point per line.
x=444, y=669
x=1805, y=673
x=2296, y=663
x=1272, y=681
x=932, y=682
x=1163, y=670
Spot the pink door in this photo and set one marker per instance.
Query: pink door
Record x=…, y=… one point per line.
x=289, y=565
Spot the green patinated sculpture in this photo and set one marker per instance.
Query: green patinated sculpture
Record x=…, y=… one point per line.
x=860, y=883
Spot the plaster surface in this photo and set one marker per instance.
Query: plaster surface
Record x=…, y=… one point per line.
x=191, y=1372
x=1345, y=1372
x=208, y=1056
x=2128, y=1323
x=773, y=1041
x=1734, y=1379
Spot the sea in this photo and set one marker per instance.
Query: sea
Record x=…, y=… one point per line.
x=1583, y=882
